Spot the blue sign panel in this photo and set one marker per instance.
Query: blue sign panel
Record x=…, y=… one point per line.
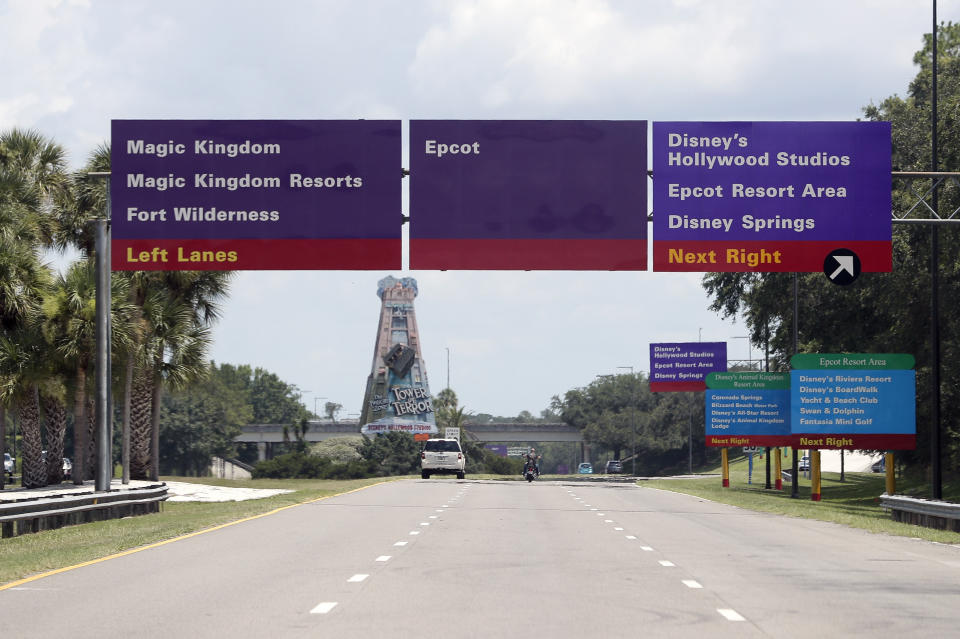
x=747, y=417
x=854, y=409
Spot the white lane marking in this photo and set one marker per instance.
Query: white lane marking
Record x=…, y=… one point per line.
x=384, y=558
x=606, y=521
x=422, y=523
x=431, y=516
x=445, y=505
x=631, y=537
x=615, y=528
x=323, y=608
x=690, y=583
x=399, y=543
x=412, y=532
x=438, y=511
x=646, y=548
x=730, y=614
x=357, y=578
x=592, y=509
x=666, y=564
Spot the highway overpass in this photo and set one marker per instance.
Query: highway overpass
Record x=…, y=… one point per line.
x=264, y=435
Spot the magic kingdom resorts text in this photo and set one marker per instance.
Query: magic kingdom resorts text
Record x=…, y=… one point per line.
x=245, y=181
x=730, y=256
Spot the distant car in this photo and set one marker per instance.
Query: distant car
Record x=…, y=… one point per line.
x=443, y=457
x=585, y=469
x=614, y=467
x=8, y=465
x=804, y=464
x=879, y=466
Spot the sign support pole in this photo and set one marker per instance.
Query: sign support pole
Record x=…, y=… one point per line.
x=815, y=474
x=891, y=478
x=103, y=377
x=935, y=443
x=726, y=467
x=795, y=463
x=778, y=482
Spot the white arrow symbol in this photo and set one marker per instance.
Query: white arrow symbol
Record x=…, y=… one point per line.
x=846, y=264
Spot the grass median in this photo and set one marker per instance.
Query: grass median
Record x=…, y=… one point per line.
x=853, y=502
x=41, y=552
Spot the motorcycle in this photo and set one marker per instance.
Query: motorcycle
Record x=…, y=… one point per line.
x=530, y=472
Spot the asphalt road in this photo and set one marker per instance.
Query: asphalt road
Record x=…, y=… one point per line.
x=440, y=557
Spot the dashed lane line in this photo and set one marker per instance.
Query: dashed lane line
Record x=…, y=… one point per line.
x=323, y=608
x=730, y=614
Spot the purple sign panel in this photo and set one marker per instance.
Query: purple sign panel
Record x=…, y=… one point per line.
x=770, y=196
x=684, y=366
x=255, y=194
x=528, y=194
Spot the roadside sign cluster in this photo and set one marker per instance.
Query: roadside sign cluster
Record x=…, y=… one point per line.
x=499, y=194
x=852, y=401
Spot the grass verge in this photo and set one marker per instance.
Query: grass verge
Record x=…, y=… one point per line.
x=41, y=552
x=853, y=502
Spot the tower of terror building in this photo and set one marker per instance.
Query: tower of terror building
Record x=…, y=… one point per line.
x=398, y=395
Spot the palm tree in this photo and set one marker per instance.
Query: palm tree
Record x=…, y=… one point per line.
x=23, y=362
x=146, y=360
x=70, y=327
x=22, y=278
x=179, y=347
x=32, y=178
x=55, y=414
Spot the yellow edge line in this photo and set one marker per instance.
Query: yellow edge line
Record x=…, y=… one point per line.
x=14, y=584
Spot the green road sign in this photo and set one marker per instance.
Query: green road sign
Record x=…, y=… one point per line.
x=749, y=381
x=857, y=361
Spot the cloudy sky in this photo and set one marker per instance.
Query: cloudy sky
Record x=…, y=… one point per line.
x=514, y=339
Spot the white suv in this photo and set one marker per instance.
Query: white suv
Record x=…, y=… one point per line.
x=442, y=456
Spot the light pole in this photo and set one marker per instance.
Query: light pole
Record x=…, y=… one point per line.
x=749, y=347
x=634, y=443
x=448, y=366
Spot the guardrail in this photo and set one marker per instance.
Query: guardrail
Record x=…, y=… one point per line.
x=941, y=515
x=34, y=514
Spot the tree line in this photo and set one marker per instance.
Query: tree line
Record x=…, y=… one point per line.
x=160, y=320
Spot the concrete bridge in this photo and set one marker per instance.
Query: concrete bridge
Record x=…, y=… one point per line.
x=265, y=435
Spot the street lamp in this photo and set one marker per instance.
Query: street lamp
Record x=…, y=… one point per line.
x=634, y=447
x=749, y=347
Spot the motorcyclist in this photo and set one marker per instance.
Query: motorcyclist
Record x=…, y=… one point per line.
x=532, y=459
